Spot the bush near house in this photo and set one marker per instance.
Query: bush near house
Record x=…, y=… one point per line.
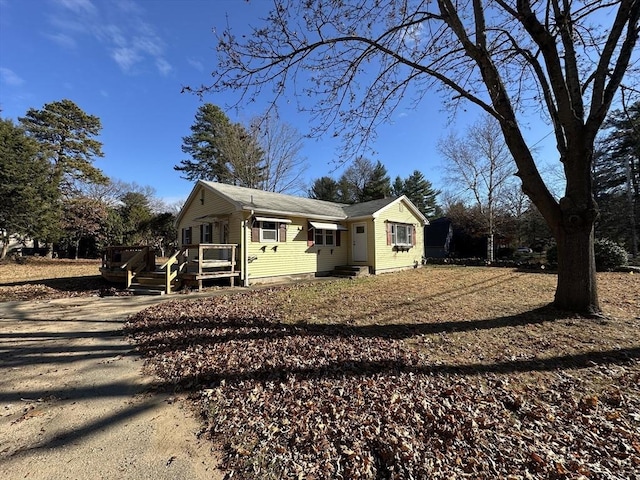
x=609, y=255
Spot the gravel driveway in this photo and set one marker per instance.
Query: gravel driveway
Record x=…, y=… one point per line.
x=74, y=403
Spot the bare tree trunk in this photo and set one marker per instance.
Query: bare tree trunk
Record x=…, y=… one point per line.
x=4, y=249
x=77, y=248
x=577, y=284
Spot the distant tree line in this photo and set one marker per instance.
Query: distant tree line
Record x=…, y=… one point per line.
x=53, y=194
x=364, y=180
x=484, y=199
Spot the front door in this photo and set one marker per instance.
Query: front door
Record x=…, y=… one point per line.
x=359, y=236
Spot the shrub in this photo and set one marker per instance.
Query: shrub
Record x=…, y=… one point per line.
x=609, y=255
x=552, y=255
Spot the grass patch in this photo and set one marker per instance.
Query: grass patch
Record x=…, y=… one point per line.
x=38, y=278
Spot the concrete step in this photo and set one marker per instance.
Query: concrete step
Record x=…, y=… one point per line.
x=146, y=290
x=351, y=271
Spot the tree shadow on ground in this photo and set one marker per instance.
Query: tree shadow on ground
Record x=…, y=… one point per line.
x=65, y=284
x=168, y=340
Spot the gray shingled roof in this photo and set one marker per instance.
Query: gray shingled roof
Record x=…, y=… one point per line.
x=277, y=203
x=366, y=208
x=289, y=205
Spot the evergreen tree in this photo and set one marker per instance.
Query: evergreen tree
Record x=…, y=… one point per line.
x=616, y=178
x=28, y=198
x=420, y=191
x=221, y=151
x=325, y=188
x=397, y=188
x=136, y=214
x=66, y=135
x=377, y=186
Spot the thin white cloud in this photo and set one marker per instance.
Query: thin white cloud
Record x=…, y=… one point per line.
x=120, y=27
x=78, y=6
x=164, y=67
x=62, y=39
x=10, y=78
x=125, y=57
x=196, y=64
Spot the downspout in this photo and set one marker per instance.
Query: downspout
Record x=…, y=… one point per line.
x=245, y=250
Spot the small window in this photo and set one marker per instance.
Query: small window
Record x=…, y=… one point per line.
x=186, y=236
x=360, y=229
x=269, y=232
x=324, y=237
x=401, y=235
x=205, y=233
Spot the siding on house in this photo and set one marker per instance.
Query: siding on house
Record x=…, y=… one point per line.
x=200, y=204
x=293, y=256
x=387, y=258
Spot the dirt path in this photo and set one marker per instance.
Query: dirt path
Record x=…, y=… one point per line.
x=74, y=403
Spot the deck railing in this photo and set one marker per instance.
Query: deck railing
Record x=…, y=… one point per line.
x=209, y=260
x=190, y=264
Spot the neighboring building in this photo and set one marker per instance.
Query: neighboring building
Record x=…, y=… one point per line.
x=437, y=238
x=282, y=236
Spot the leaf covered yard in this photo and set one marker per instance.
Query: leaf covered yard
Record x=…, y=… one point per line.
x=430, y=373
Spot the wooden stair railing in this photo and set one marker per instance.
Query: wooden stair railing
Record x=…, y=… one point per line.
x=136, y=264
x=170, y=274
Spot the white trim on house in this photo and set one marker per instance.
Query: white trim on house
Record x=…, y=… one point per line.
x=271, y=219
x=328, y=226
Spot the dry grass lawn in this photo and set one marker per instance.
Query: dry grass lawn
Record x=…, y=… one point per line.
x=440, y=372
x=37, y=278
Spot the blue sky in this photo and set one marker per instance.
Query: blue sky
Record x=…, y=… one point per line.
x=126, y=61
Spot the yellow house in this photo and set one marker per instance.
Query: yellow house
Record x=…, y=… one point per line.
x=278, y=237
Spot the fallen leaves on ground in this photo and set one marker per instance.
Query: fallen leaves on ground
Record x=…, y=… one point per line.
x=447, y=377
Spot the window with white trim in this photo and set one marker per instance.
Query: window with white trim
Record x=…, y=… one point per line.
x=324, y=237
x=186, y=236
x=402, y=234
x=269, y=231
x=206, y=233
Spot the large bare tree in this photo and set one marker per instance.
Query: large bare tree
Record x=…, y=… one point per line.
x=281, y=145
x=358, y=59
x=479, y=164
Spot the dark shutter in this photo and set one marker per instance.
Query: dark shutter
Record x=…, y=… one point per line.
x=255, y=231
x=413, y=235
x=309, y=237
x=283, y=232
x=388, y=233
x=337, y=238
x=202, y=233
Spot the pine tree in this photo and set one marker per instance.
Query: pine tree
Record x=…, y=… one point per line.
x=421, y=193
x=377, y=186
x=28, y=198
x=616, y=178
x=325, y=188
x=221, y=150
x=66, y=135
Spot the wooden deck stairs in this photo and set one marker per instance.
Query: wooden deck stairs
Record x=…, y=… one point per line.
x=189, y=266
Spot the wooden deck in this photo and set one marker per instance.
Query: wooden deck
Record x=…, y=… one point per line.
x=190, y=266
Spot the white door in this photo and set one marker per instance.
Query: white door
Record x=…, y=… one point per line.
x=359, y=238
